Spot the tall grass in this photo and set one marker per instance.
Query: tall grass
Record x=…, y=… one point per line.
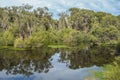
x=110, y=71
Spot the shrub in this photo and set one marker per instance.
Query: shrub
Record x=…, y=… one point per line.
x=19, y=43
x=111, y=71
x=7, y=38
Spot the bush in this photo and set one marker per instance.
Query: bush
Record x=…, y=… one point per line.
x=19, y=43
x=38, y=39
x=68, y=36
x=34, y=41
x=7, y=38
x=111, y=71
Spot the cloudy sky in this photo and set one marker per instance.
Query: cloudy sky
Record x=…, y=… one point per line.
x=56, y=6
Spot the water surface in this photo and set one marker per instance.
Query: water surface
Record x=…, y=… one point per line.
x=53, y=64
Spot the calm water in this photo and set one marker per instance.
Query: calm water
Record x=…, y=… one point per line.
x=53, y=64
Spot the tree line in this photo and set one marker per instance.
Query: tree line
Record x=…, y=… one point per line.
x=25, y=27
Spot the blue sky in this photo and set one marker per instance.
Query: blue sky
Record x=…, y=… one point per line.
x=57, y=6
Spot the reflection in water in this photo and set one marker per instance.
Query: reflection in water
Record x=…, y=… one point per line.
x=86, y=58
x=51, y=63
x=25, y=62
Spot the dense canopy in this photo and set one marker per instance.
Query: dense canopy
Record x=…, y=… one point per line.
x=25, y=27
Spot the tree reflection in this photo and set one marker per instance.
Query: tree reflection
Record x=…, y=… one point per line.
x=25, y=62
x=87, y=57
x=28, y=62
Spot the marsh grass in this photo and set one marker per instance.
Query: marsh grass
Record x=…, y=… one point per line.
x=110, y=71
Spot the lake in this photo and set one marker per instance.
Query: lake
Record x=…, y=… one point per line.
x=54, y=64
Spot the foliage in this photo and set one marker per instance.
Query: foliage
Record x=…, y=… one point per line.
x=118, y=47
x=19, y=43
x=7, y=38
x=25, y=27
x=111, y=71
x=1, y=40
